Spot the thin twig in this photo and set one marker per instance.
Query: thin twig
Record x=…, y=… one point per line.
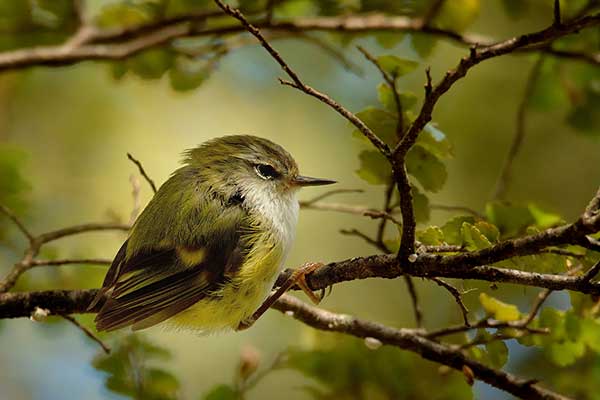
x=298, y=84
x=412, y=291
x=142, y=172
x=135, y=194
x=539, y=301
x=557, y=20
x=457, y=297
x=591, y=273
x=70, y=261
x=88, y=332
x=365, y=237
x=391, y=82
x=20, y=225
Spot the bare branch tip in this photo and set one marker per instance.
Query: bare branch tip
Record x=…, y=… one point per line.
x=142, y=172
x=557, y=18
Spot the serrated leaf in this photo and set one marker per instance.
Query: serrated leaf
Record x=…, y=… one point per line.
x=499, y=310
x=396, y=66
x=473, y=238
x=488, y=230
x=381, y=122
x=452, y=229
x=432, y=236
x=426, y=168
x=374, y=168
x=566, y=353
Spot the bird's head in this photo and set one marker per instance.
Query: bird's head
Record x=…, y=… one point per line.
x=244, y=164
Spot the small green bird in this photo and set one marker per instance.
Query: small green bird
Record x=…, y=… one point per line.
x=206, y=251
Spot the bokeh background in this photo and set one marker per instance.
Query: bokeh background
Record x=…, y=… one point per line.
x=71, y=127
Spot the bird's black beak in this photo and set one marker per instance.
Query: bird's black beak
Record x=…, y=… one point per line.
x=308, y=181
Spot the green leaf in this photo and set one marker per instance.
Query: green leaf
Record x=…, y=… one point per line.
x=420, y=205
x=473, y=238
x=222, y=392
x=432, y=236
x=590, y=333
x=151, y=64
x=423, y=44
x=386, y=98
x=488, y=230
x=426, y=168
x=188, y=74
x=497, y=353
x=573, y=327
x=396, y=66
x=389, y=40
x=566, y=353
x=457, y=15
x=374, y=168
x=127, y=365
x=452, y=229
x=554, y=320
x=499, y=310
x=381, y=122
x=544, y=219
x=435, y=141
x=510, y=219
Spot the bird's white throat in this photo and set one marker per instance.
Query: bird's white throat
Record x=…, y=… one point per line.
x=277, y=209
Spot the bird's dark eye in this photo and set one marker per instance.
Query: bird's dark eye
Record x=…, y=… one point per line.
x=266, y=171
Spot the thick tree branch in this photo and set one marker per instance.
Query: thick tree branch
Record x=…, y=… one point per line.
x=124, y=42
x=482, y=53
x=411, y=341
x=61, y=302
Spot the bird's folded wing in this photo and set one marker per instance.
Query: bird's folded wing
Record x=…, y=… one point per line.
x=151, y=283
x=148, y=290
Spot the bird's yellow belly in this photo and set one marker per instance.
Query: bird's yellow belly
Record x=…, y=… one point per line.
x=238, y=299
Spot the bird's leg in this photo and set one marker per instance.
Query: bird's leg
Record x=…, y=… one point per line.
x=298, y=277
